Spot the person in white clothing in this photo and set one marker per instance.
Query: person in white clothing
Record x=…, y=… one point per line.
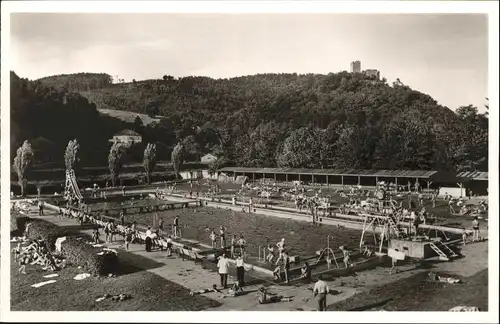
x=223, y=266
x=321, y=290
x=240, y=271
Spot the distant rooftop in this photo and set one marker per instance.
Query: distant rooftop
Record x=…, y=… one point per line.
x=337, y=172
x=127, y=132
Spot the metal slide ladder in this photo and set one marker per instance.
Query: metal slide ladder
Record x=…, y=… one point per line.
x=443, y=251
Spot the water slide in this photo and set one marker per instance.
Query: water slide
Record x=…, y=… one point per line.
x=72, y=181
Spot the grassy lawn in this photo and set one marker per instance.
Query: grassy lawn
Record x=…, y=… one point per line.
x=417, y=293
x=149, y=292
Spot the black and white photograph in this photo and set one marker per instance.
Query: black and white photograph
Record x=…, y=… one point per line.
x=181, y=160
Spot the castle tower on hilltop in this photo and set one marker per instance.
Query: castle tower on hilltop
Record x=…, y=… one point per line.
x=356, y=67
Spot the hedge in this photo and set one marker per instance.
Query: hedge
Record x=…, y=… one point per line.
x=85, y=255
x=45, y=230
x=75, y=251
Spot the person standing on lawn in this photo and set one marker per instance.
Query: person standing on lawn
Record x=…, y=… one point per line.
x=222, y=236
x=286, y=266
x=242, y=243
x=160, y=224
x=176, y=226
x=122, y=217
x=475, y=229
x=233, y=245
x=213, y=239
x=240, y=270
x=169, y=245
x=128, y=237
x=321, y=290
x=223, y=266
x=40, y=207
x=148, y=241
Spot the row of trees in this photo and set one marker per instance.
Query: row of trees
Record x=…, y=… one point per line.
x=24, y=159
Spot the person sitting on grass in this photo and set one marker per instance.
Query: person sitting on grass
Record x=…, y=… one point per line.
x=234, y=291
x=305, y=271
x=266, y=297
x=16, y=252
x=23, y=261
x=204, y=291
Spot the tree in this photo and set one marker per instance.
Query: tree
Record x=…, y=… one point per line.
x=192, y=149
x=177, y=158
x=149, y=161
x=22, y=162
x=71, y=154
x=295, y=151
x=152, y=109
x=138, y=124
x=115, y=160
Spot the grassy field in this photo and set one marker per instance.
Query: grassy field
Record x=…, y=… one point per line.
x=128, y=116
x=149, y=292
x=417, y=293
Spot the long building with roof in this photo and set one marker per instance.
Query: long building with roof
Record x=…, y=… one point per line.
x=475, y=181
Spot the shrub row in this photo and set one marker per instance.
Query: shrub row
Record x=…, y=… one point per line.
x=88, y=257
x=41, y=229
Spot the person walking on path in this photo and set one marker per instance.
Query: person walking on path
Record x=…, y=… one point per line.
x=223, y=266
x=240, y=271
x=321, y=290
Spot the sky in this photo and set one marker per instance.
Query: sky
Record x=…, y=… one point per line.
x=443, y=55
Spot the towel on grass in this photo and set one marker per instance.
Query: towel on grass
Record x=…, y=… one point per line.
x=82, y=276
x=40, y=284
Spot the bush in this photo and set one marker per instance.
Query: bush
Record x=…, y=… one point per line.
x=85, y=255
x=17, y=224
x=46, y=231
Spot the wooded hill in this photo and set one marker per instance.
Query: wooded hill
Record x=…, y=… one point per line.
x=336, y=120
